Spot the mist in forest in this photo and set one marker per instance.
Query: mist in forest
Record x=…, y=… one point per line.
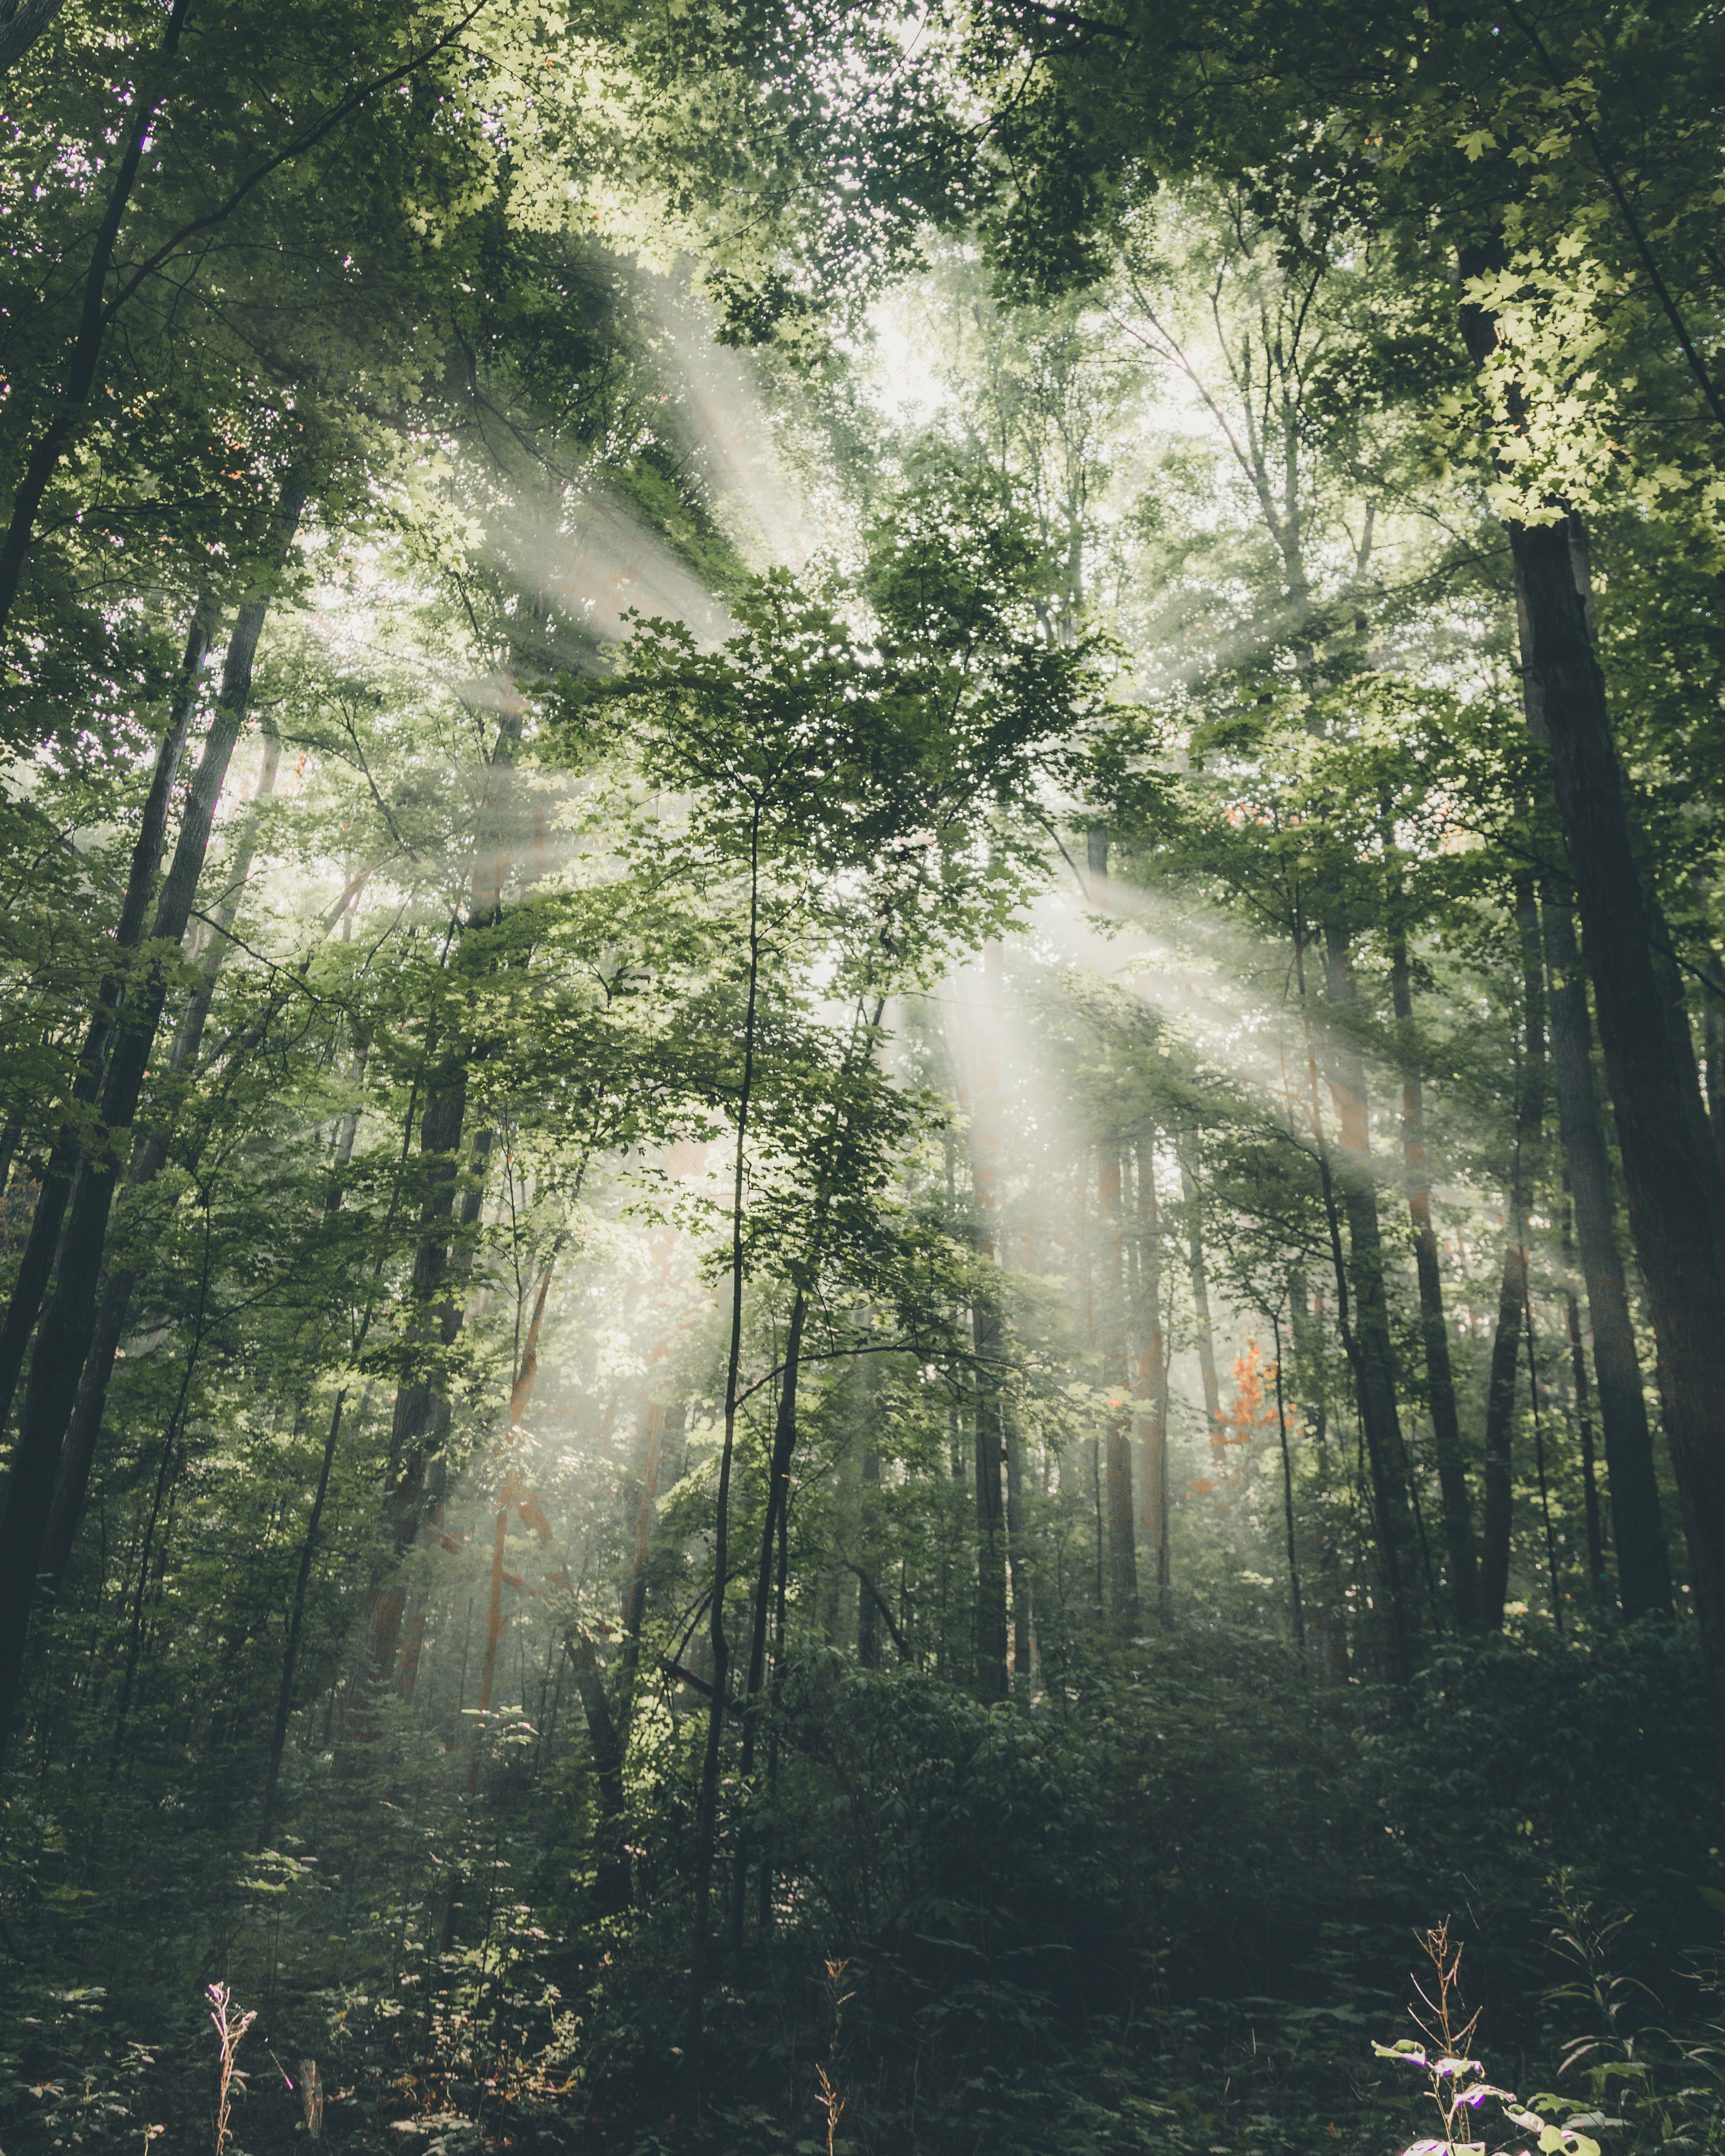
x=862, y=1082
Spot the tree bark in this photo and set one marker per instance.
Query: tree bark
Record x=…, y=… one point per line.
x=1199, y=1276
x=21, y=30
x=84, y=358
x=63, y=1338
x=868, y=1599
x=611, y=1851
x=1152, y=1376
x=1652, y=1085
x=1367, y=1336
x=1644, y=1578
x=296, y=1618
x=149, y=1158
x=1434, y=1333
x=36, y=1263
x=1122, y=1526
x=1513, y=1294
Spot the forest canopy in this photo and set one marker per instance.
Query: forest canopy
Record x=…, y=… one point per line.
x=862, y=1077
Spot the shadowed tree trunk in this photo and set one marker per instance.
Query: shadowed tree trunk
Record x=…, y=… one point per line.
x=68, y=1321
x=149, y=1158
x=1198, y=1273
x=1366, y=1333
x=1434, y=1331
x=1512, y=1293
x=1150, y=1376
x=37, y=1262
x=1652, y=1085
x=1122, y=1526
x=1643, y=1578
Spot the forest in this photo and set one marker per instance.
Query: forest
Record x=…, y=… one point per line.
x=862, y=1077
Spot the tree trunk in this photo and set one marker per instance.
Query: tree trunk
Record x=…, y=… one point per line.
x=37, y=1262
x=1676, y=1236
x=868, y=1613
x=991, y=1625
x=296, y=1618
x=1201, y=1309
x=1018, y=1563
x=611, y=1851
x=1150, y=1376
x=64, y=1337
x=411, y=1487
x=21, y=32
x=1597, y=1585
x=149, y=1158
x=1643, y=1578
x=1371, y=1354
x=83, y=360
x=1513, y=1293
x=1434, y=1333
x=1122, y=1526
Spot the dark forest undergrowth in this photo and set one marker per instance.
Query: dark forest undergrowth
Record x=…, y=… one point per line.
x=1170, y=1906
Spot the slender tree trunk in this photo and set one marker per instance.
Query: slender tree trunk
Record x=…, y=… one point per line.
x=1295, y=1613
x=296, y=1618
x=149, y=1158
x=1152, y=1376
x=83, y=360
x=868, y=1614
x=988, y=1427
x=1644, y=1578
x=1199, y=1275
x=634, y=1608
x=991, y=1621
x=1597, y=1585
x=1653, y=1087
x=1122, y=1526
x=778, y=1477
x=494, y=1638
x=1017, y=1562
x=409, y=1489
x=1434, y=1333
x=37, y=1262
x=1370, y=1353
x=68, y=1321
x=1513, y=1292
x=707, y=1820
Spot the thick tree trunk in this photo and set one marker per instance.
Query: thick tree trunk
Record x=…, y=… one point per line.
x=1514, y=1289
x=611, y=1849
x=21, y=30
x=1459, y=1550
x=1652, y=1085
x=1712, y=1023
x=63, y=1338
x=1644, y=1578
